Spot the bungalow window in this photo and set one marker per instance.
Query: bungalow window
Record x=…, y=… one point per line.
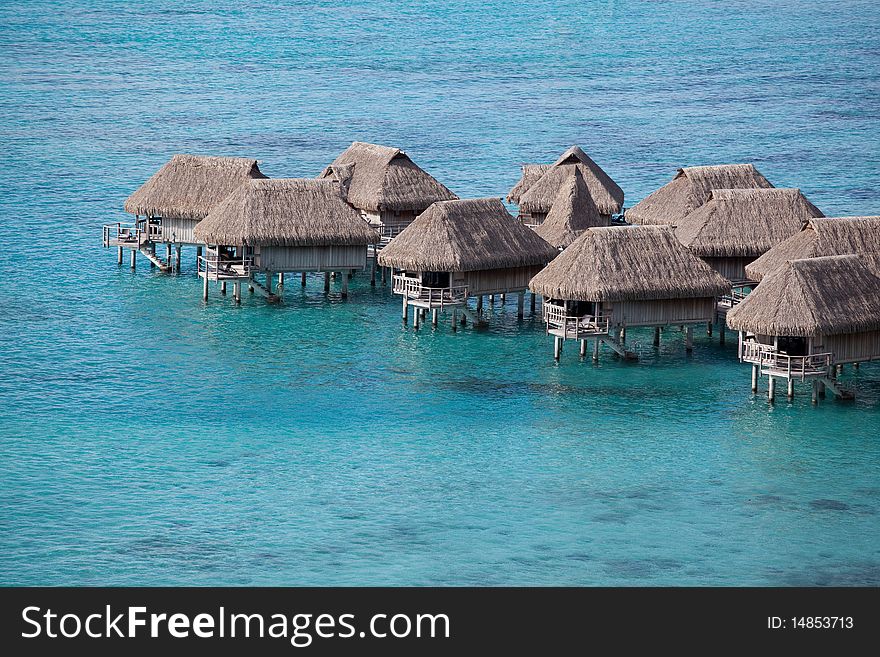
x=580, y=308
x=435, y=279
x=792, y=346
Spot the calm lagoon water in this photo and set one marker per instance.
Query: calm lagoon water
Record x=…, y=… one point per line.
x=147, y=438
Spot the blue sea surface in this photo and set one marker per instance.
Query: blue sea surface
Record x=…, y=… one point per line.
x=149, y=438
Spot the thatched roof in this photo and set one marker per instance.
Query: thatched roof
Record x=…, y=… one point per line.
x=821, y=237
x=628, y=263
x=605, y=192
x=531, y=173
x=286, y=212
x=815, y=296
x=383, y=178
x=466, y=235
x=744, y=222
x=572, y=212
x=189, y=186
x=689, y=189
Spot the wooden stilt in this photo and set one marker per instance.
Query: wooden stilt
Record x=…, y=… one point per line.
x=133, y=258
x=168, y=255
x=622, y=335
x=503, y=299
x=789, y=391
x=479, y=304
x=454, y=320
x=435, y=315
x=814, y=397
x=384, y=276
x=821, y=389
x=269, y=277
x=205, y=288
x=583, y=348
x=250, y=287
x=405, y=311
x=302, y=279
x=709, y=329
x=223, y=287
x=596, y=350
x=520, y=302
x=177, y=250
x=532, y=304
x=344, y=285
x=326, y=281
x=557, y=347
x=656, y=336
x=839, y=368
x=236, y=292
x=417, y=316
x=689, y=338
x=722, y=333
x=491, y=299
x=754, y=378
x=198, y=255
x=280, y=278
x=856, y=365
x=771, y=389
x=373, y=273
x=118, y=255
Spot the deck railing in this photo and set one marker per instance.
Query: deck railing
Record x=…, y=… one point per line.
x=572, y=326
x=771, y=361
x=216, y=268
x=730, y=300
x=133, y=233
x=414, y=290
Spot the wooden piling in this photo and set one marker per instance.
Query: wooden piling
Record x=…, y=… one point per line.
x=709, y=329
x=689, y=338
x=177, y=250
x=814, y=397
x=557, y=347
x=596, y=350
x=722, y=333
x=771, y=389
x=754, y=378
x=280, y=279
x=198, y=255
x=133, y=258
x=269, y=277
x=118, y=255
x=417, y=316
x=656, y=336
x=405, y=310
x=236, y=292
x=622, y=335
x=454, y=320
x=583, y=348
x=373, y=272
x=344, y=285
x=532, y=304
x=326, y=281
x=435, y=315
x=302, y=279
x=503, y=299
x=205, y=288
x=520, y=302
x=789, y=391
x=384, y=276
x=223, y=287
x=479, y=304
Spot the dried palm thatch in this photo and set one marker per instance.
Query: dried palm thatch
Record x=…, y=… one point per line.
x=830, y=295
x=189, y=186
x=572, y=212
x=821, y=237
x=286, y=212
x=689, y=189
x=628, y=263
x=466, y=235
x=605, y=192
x=531, y=173
x=744, y=222
x=382, y=178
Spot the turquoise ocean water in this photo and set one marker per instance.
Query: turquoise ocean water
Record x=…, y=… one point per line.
x=147, y=438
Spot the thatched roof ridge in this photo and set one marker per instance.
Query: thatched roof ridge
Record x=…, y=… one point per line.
x=626, y=263
x=572, y=212
x=189, y=186
x=286, y=212
x=384, y=178
x=466, y=235
x=531, y=173
x=744, y=222
x=607, y=195
x=821, y=237
x=828, y=295
x=689, y=189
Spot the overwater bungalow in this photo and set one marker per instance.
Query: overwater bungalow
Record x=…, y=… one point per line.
x=689, y=189
x=460, y=249
x=173, y=201
x=806, y=318
x=385, y=185
x=536, y=201
x=573, y=211
x=735, y=226
x=820, y=237
x=278, y=226
x=618, y=277
x=531, y=173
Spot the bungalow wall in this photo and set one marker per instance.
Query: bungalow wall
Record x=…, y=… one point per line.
x=497, y=281
x=310, y=258
x=175, y=229
x=391, y=221
x=733, y=269
x=660, y=312
x=850, y=348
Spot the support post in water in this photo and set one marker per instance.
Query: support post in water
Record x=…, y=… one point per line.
x=205, y=288
x=771, y=389
x=557, y=347
x=236, y=292
x=223, y=288
x=656, y=336
x=405, y=310
x=520, y=302
x=344, y=285
x=326, y=281
x=596, y=350
x=303, y=279
x=133, y=258
x=754, y=378
x=583, y=348
x=689, y=338
x=118, y=255
x=435, y=315
x=532, y=303
x=790, y=389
